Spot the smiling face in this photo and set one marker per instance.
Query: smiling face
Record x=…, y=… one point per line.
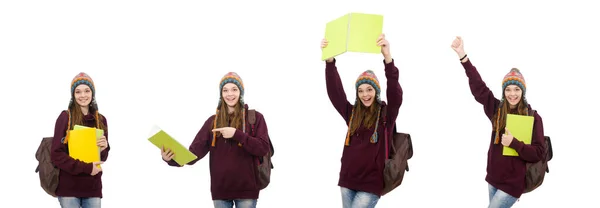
x=513, y=94
x=83, y=95
x=231, y=94
x=366, y=94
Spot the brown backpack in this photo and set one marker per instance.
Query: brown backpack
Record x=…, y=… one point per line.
x=398, y=150
x=534, y=177
x=264, y=163
x=48, y=173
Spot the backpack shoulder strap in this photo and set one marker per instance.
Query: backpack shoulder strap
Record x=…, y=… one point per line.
x=251, y=116
x=385, y=128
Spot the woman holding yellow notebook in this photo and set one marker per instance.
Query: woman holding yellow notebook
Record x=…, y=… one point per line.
x=505, y=174
x=80, y=183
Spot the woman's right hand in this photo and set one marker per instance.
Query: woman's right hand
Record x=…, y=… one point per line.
x=95, y=168
x=167, y=154
x=459, y=47
x=324, y=44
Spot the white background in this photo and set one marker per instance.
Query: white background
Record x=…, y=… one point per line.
x=159, y=62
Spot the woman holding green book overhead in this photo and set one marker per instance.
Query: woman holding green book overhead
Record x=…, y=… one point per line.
x=363, y=159
x=505, y=174
x=79, y=183
x=236, y=148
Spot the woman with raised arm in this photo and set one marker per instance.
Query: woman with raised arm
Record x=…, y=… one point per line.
x=363, y=159
x=505, y=174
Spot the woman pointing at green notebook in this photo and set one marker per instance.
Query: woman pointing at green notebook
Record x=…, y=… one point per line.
x=238, y=142
x=505, y=172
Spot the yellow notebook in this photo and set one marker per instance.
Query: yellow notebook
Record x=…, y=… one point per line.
x=182, y=154
x=355, y=32
x=83, y=145
x=521, y=127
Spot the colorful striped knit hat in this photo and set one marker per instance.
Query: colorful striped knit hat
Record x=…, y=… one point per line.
x=368, y=77
x=514, y=77
x=234, y=78
x=83, y=78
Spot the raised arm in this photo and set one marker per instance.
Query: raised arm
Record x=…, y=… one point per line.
x=394, y=90
x=534, y=152
x=59, y=156
x=335, y=89
x=479, y=89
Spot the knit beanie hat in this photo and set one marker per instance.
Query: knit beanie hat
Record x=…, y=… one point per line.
x=234, y=78
x=83, y=78
x=368, y=77
x=514, y=77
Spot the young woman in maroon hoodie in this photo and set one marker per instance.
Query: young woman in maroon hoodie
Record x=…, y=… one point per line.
x=505, y=174
x=233, y=148
x=363, y=158
x=79, y=183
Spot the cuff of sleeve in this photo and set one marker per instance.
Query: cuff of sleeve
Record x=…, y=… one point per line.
x=87, y=168
x=172, y=163
x=331, y=63
x=466, y=63
x=516, y=144
x=239, y=136
x=388, y=64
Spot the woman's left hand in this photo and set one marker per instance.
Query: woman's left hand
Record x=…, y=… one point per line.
x=507, y=138
x=102, y=143
x=385, y=47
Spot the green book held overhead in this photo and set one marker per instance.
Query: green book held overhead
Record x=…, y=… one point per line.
x=353, y=32
x=182, y=154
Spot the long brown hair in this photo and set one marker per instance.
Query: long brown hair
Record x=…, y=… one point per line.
x=504, y=109
x=363, y=116
x=77, y=115
x=224, y=119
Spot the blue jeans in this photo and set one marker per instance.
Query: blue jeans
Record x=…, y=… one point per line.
x=74, y=202
x=500, y=199
x=358, y=199
x=239, y=203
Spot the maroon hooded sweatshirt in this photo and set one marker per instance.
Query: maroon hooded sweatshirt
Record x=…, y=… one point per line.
x=506, y=173
x=362, y=161
x=75, y=179
x=233, y=169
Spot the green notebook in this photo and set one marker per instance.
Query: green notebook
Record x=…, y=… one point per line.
x=521, y=127
x=355, y=32
x=182, y=154
x=99, y=132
